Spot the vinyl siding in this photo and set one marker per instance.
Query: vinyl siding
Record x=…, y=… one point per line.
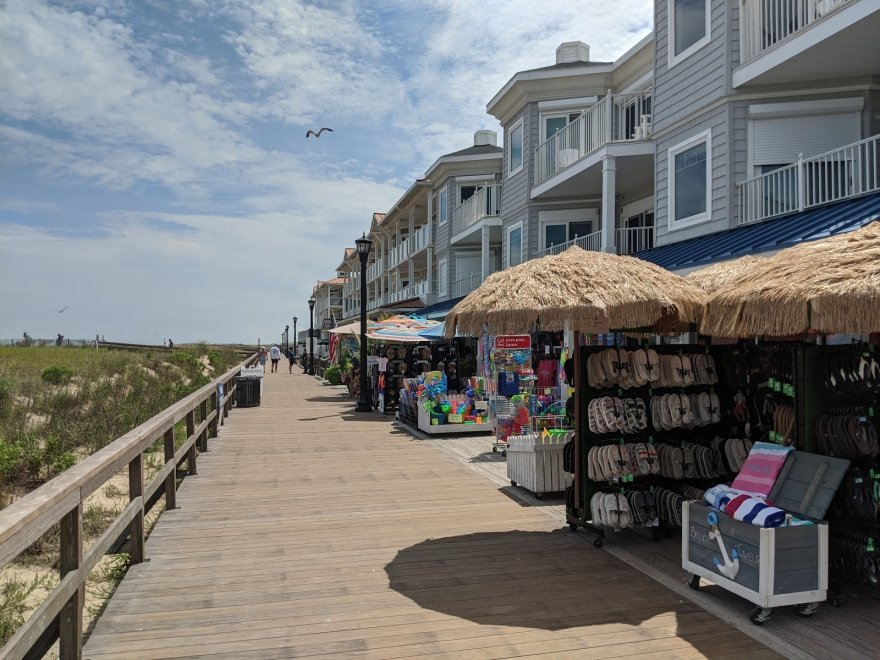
x=872, y=113
x=516, y=188
x=718, y=121
x=509, y=221
x=694, y=82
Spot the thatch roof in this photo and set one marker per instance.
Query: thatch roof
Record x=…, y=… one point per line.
x=593, y=291
x=719, y=276
x=830, y=286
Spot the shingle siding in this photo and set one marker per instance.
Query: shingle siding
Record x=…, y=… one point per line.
x=694, y=82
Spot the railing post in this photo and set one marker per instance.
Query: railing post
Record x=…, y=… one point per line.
x=608, y=118
x=136, y=490
x=214, y=408
x=203, y=437
x=801, y=183
x=171, y=479
x=191, y=452
x=70, y=618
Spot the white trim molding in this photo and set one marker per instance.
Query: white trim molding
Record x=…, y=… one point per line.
x=672, y=152
x=694, y=47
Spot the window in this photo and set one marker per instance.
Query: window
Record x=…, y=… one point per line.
x=690, y=182
x=515, y=163
x=465, y=193
x=442, y=276
x=442, y=206
x=558, y=227
x=554, y=123
x=689, y=28
x=514, y=246
x=637, y=234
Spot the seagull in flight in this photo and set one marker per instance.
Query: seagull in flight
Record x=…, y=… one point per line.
x=310, y=132
x=61, y=311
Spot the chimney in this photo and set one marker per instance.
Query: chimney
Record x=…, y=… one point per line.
x=485, y=137
x=572, y=51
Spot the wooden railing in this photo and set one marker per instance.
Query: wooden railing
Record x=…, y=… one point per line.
x=60, y=502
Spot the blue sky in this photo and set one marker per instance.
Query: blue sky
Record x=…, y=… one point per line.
x=154, y=172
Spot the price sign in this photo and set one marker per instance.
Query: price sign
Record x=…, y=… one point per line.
x=513, y=342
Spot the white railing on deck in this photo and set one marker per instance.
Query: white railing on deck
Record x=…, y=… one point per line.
x=420, y=240
x=592, y=242
x=375, y=269
x=631, y=240
x=375, y=303
x=465, y=285
x=352, y=284
x=485, y=202
x=847, y=172
x=614, y=118
x=399, y=254
x=764, y=23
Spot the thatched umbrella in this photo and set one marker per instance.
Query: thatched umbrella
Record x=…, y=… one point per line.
x=719, y=276
x=592, y=292
x=830, y=286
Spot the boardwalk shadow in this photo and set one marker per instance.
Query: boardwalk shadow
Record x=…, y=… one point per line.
x=488, y=457
x=540, y=580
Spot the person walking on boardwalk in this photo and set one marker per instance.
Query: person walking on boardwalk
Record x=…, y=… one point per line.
x=262, y=356
x=274, y=355
x=291, y=358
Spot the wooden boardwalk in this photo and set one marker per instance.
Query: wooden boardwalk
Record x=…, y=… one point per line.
x=310, y=531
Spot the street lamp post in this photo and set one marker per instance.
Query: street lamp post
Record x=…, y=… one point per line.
x=295, y=336
x=286, y=338
x=363, y=247
x=311, y=370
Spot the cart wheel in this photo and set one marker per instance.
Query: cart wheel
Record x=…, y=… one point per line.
x=598, y=542
x=694, y=581
x=512, y=482
x=572, y=527
x=759, y=616
x=807, y=609
x=837, y=601
x=539, y=496
x=504, y=453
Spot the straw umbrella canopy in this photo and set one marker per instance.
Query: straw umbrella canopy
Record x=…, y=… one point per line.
x=588, y=291
x=718, y=276
x=830, y=286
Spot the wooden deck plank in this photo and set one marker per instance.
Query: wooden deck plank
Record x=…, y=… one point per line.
x=346, y=537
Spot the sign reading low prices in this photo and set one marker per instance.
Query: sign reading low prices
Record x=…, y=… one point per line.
x=513, y=342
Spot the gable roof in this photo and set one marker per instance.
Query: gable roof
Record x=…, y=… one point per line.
x=475, y=150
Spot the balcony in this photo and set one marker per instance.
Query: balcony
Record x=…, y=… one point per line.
x=417, y=290
x=352, y=284
x=616, y=118
x=375, y=303
x=844, y=173
x=591, y=242
x=465, y=285
x=783, y=41
x=420, y=240
x=484, y=203
x=630, y=240
x=375, y=270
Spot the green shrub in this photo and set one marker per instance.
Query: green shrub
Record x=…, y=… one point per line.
x=185, y=359
x=56, y=375
x=14, y=606
x=333, y=375
x=5, y=391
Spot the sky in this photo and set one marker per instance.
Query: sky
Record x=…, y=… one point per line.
x=155, y=177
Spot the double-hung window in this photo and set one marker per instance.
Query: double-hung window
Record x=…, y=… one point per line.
x=515, y=148
x=689, y=28
x=515, y=245
x=690, y=182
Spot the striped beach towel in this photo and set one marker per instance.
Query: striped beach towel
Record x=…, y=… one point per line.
x=759, y=472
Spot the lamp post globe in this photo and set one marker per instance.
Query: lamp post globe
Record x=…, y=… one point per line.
x=364, y=403
x=311, y=370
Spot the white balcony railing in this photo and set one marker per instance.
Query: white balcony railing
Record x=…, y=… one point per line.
x=419, y=289
x=631, y=240
x=375, y=303
x=352, y=284
x=399, y=254
x=375, y=269
x=485, y=202
x=591, y=242
x=420, y=240
x=615, y=118
x=465, y=285
x=765, y=23
x=847, y=172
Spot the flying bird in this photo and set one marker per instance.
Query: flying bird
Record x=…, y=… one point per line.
x=61, y=311
x=310, y=132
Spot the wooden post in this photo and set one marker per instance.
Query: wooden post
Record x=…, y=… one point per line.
x=214, y=407
x=70, y=619
x=191, y=452
x=136, y=490
x=171, y=479
x=203, y=437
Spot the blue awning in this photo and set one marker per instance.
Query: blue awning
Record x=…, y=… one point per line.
x=439, y=310
x=777, y=234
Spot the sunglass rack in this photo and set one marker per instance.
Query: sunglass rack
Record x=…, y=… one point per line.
x=649, y=497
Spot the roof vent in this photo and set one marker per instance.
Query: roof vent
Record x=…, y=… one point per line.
x=572, y=51
x=485, y=137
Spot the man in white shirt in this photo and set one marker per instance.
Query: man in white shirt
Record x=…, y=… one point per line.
x=274, y=355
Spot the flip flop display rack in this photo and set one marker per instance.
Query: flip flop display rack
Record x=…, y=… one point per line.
x=647, y=437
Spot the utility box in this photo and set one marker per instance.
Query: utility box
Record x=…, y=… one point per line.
x=247, y=391
x=769, y=566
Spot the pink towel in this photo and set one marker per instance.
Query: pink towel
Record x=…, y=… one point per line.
x=759, y=472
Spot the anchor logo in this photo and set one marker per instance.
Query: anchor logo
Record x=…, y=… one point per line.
x=728, y=568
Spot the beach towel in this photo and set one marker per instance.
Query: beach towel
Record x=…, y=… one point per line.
x=755, y=511
x=759, y=472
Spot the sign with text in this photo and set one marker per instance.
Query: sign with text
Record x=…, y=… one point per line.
x=513, y=342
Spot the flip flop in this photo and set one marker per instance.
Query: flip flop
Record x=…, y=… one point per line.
x=687, y=372
x=653, y=365
x=639, y=361
x=653, y=458
x=596, y=509
x=642, y=414
x=715, y=408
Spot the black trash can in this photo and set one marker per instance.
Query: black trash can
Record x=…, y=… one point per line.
x=247, y=391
